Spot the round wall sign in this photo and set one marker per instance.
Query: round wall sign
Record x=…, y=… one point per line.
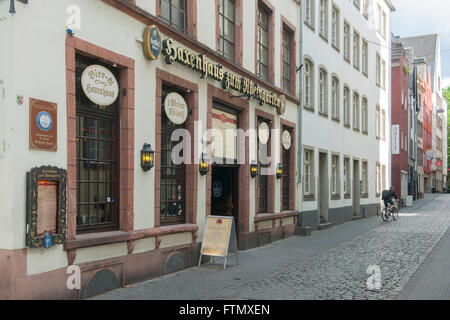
x=263, y=132
x=286, y=140
x=44, y=121
x=176, y=108
x=99, y=85
x=439, y=164
x=48, y=240
x=152, y=42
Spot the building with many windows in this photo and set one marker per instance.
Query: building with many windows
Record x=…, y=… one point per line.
x=94, y=125
x=346, y=109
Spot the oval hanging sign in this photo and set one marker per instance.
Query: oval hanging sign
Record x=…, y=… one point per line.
x=152, y=42
x=263, y=132
x=176, y=108
x=286, y=140
x=99, y=85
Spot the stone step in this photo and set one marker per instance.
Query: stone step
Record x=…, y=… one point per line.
x=325, y=225
x=303, y=231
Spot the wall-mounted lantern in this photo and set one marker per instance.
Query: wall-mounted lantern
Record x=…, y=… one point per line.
x=203, y=165
x=147, y=157
x=279, y=171
x=254, y=169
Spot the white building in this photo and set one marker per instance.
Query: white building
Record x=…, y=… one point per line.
x=115, y=220
x=346, y=109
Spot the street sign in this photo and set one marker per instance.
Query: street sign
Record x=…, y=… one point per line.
x=430, y=154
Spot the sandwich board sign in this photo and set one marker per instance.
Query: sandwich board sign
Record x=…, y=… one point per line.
x=219, y=238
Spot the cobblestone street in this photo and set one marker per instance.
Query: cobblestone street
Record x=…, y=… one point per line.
x=331, y=264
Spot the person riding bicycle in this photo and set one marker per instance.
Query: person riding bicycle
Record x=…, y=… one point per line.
x=388, y=195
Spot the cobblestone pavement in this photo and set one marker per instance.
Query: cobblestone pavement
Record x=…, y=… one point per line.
x=331, y=264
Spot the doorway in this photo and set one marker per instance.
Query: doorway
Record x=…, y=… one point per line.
x=322, y=200
x=224, y=191
x=356, y=189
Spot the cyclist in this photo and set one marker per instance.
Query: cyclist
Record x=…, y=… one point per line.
x=387, y=197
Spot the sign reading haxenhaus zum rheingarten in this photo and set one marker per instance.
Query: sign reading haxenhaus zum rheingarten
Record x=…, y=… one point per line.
x=219, y=239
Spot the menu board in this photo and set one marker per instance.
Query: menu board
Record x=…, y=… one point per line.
x=48, y=206
x=217, y=236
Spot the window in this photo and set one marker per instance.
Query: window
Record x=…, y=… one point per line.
x=262, y=50
x=323, y=19
x=365, y=179
x=364, y=115
x=357, y=3
x=346, y=102
x=378, y=71
x=309, y=12
x=383, y=176
x=377, y=124
x=335, y=36
x=227, y=28
x=174, y=13
x=365, y=57
x=286, y=177
x=287, y=52
x=383, y=21
x=378, y=18
x=346, y=41
x=378, y=173
x=401, y=140
x=365, y=6
x=308, y=172
x=383, y=125
x=97, y=159
x=356, y=57
x=335, y=175
x=383, y=74
x=309, y=88
x=346, y=176
x=173, y=176
x=263, y=179
x=355, y=111
x=323, y=104
x=335, y=98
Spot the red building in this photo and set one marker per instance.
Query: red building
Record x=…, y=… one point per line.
x=399, y=121
x=427, y=123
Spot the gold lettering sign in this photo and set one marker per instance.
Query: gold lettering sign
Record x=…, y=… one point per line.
x=215, y=71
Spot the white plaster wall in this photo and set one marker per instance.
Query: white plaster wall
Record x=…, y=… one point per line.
x=328, y=135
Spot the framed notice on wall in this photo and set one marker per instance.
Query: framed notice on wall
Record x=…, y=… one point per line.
x=43, y=125
x=46, y=207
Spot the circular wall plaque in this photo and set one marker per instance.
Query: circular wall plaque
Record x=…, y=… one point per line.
x=99, y=85
x=263, y=132
x=176, y=108
x=44, y=121
x=152, y=42
x=286, y=140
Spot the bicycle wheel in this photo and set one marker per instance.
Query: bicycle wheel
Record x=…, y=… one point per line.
x=383, y=215
x=394, y=213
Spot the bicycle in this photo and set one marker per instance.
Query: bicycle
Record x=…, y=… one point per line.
x=391, y=211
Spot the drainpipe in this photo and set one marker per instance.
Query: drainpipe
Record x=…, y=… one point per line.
x=300, y=107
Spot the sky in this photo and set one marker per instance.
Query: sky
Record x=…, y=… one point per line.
x=418, y=17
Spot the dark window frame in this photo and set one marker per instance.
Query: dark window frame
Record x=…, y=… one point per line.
x=171, y=7
x=222, y=39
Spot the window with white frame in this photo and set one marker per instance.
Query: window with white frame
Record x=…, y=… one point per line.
x=355, y=111
x=383, y=125
x=383, y=74
x=364, y=115
x=365, y=178
x=365, y=57
x=309, y=12
x=346, y=41
x=309, y=84
x=346, y=176
x=323, y=18
x=378, y=173
x=383, y=176
x=356, y=52
x=323, y=91
x=335, y=98
x=378, y=71
x=335, y=36
x=365, y=7
x=307, y=171
x=335, y=175
x=346, y=103
x=377, y=122
x=357, y=3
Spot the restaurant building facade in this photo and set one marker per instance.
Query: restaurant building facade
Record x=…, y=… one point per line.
x=94, y=122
